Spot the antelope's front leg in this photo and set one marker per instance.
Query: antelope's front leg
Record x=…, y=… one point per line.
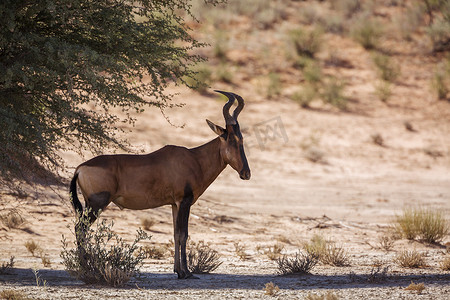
x=176, y=239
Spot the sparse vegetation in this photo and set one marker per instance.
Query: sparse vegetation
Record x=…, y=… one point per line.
x=32, y=247
x=315, y=154
x=103, y=257
x=12, y=219
x=306, y=42
x=240, y=251
x=441, y=82
x=147, y=223
x=445, y=264
x=383, y=90
x=300, y=263
x=324, y=296
x=202, y=259
x=327, y=251
x=274, y=252
x=305, y=96
x=271, y=289
x=13, y=295
x=332, y=92
x=154, y=252
x=418, y=288
x=410, y=259
x=201, y=79
x=377, y=139
x=386, y=242
x=424, y=224
x=367, y=32
x=388, y=69
x=274, y=85
x=5, y=268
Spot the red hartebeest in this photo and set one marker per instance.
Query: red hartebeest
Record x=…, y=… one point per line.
x=172, y=175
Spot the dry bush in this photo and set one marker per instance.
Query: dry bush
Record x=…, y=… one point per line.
x=439, y=33
x=274, y=85
x=332, y=92
x=388, y=70
x=445, y=264
x=202, y=78
x=306, y=42
x=240, y=251
x=202, y=259
x=410, y=259
x=301, y=263
x=315, y=154
x=5, y=268
x=326, y=296
x=377, y=139
x=441, y=81
x=154, y=252
x=367, y=32
x=274, y=252
x=32, y=247
x=335, y=256
x=12, y=219
x=102, y=256
x=13, y=295
x=425, y=224
x=271, y=289
x=383, y=90
x=305, y=96
x=327, y=251
x=147, y=223
x=418, y=288
x=45, y=260
x=347, y=7
x=386, y=242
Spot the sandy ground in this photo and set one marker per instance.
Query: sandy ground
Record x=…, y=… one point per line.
x=350, y=196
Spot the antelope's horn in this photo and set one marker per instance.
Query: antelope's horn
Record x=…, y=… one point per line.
x=238, y=109
x=229, y=120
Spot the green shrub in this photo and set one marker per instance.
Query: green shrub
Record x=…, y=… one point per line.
x=201, y=79
x=441, y=82
x=332, y=93
x=306, y=42
x=439, y=33
x=102, y=257
x=389, y=70
x=383, y=90
x=327, y=251
x=305, y=96
x=367, y=32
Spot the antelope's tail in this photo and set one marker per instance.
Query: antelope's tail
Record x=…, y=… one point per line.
x=73, y=195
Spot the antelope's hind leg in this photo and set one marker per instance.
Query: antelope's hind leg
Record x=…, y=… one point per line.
x=94, y=204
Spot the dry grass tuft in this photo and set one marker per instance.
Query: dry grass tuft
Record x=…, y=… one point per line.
x=424, y=224
x=240, y=251
x=6, y=267
x=202, y=259
x=419, y=287
x=327, y=251
x=13, y=295
x=147, y=223
x=410, y=259
x=386, y=242
x=32, y=247
x=301, y=263
x=377, y=139
x=271, y=289
x=12, y=219
x=274, y=252
x=326, y=296
x=445, y=264
x=154, y=252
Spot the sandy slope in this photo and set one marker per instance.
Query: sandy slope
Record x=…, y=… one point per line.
x=350, y=196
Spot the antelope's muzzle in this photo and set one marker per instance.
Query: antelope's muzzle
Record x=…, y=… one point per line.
x=245, y=174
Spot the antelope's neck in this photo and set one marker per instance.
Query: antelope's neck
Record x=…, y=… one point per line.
x=210, y=160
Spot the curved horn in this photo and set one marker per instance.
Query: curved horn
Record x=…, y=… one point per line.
x=238, y=109
x=226, y=108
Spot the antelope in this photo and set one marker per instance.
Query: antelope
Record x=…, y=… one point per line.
x=172, y=175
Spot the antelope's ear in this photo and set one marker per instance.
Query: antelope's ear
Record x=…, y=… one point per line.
x=217, y=129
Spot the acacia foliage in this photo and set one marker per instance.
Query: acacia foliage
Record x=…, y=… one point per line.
x=66, y=63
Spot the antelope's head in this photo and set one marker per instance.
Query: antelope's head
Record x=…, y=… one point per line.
x=231, y=140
